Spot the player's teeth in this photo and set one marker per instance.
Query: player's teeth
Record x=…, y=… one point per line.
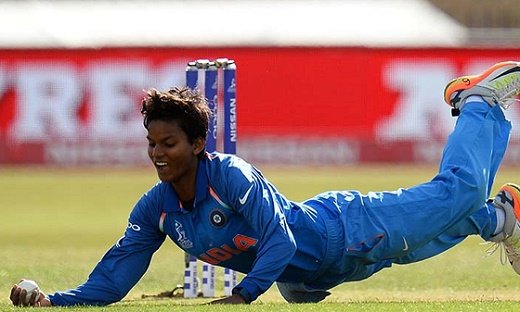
x=161, y=163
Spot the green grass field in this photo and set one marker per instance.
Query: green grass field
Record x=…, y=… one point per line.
x=56, y=224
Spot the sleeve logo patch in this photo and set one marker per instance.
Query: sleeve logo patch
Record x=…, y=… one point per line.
x=182, y=240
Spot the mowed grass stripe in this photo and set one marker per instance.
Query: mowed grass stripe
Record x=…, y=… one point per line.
x=56, y=224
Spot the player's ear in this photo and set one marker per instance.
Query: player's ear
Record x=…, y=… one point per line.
x=198, y=145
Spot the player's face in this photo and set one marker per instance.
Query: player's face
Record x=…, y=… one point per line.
x=173, y=156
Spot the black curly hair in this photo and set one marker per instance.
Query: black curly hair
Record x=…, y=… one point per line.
x=183, y=105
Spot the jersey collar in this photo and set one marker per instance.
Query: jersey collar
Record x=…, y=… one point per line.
x=201, y=182
x=172, y=203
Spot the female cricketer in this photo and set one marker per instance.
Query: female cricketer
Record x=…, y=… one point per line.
x=222, y=210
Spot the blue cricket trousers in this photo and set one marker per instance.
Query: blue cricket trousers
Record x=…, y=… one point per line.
x=413, y=224
x=379, y=229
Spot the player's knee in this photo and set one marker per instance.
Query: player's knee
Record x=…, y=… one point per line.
x=479, y=181
x=299, y=293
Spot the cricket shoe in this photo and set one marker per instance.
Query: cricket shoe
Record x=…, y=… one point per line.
x=508, y=199
x=498, y=85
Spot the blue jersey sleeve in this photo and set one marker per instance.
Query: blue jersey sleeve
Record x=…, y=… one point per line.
x=125, y=263
x=262, y=206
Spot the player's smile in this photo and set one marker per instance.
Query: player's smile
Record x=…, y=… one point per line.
x=162, y=167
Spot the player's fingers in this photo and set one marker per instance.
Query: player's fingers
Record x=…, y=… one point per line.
x=34, y=294
x=15, y=294
x=23, y=295
x=18, y=296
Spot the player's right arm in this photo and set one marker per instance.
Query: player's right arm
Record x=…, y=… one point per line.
x=125, y=263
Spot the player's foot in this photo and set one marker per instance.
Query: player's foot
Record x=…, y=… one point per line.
x=508, y=199
x=498, y=85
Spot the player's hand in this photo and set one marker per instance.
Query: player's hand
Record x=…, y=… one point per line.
x=233, y=299
x=18, y=294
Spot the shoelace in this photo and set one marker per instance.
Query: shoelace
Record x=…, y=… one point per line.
x=506, y=103
x=503, y=252
x=508, y=252
x=510, y=94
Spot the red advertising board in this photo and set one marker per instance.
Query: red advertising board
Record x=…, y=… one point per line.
x=294, y=105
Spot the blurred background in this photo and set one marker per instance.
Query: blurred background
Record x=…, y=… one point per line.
x=318, y=82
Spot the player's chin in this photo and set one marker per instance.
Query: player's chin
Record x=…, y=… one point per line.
x=164, y=175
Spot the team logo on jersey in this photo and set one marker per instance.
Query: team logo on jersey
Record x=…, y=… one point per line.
x=217, y=218
x=184, y=242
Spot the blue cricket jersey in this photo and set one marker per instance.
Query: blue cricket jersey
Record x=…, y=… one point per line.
x=242, y=222
x=239, y=221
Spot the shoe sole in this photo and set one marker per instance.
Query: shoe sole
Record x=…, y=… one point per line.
x=467, y=82
x=514, y=190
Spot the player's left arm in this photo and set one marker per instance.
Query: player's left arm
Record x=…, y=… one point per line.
x=263, y=208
